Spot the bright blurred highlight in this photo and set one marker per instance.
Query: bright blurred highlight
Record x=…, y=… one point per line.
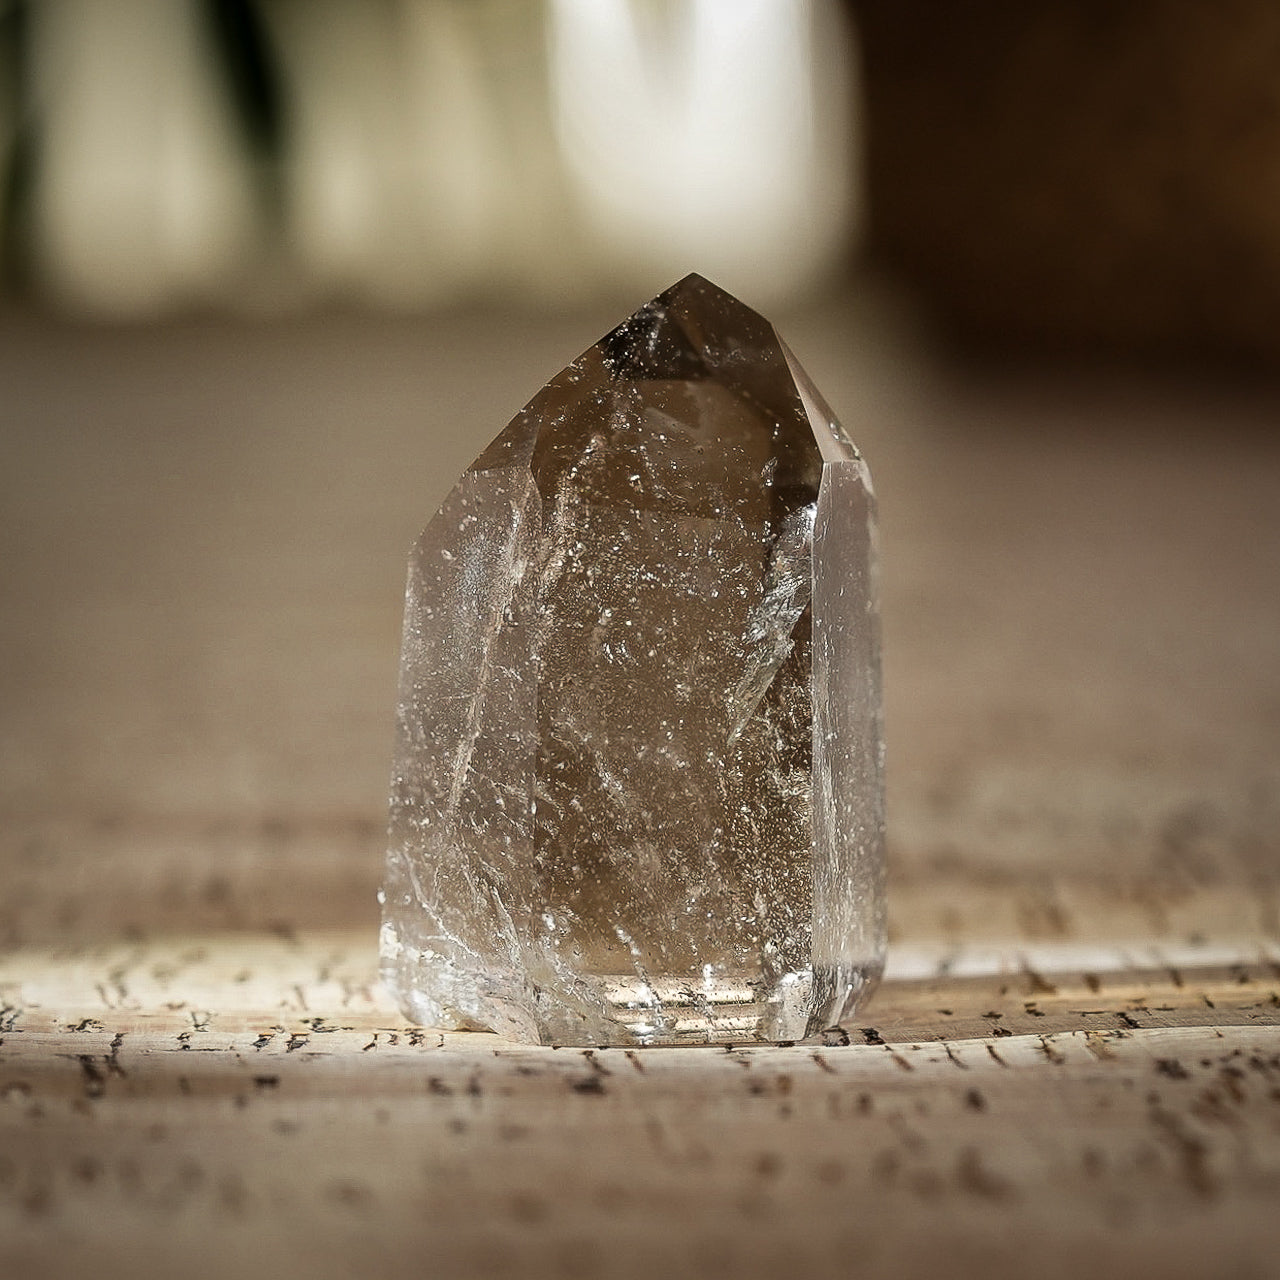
x=426, y=152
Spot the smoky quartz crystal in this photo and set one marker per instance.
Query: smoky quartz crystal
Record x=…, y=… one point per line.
x=637, y=794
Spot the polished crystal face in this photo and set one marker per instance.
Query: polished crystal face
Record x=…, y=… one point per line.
x=637, y=791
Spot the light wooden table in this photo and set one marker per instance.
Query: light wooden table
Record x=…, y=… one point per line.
x=1074, y=1066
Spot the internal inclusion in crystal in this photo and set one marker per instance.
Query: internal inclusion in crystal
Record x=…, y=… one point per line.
x=637, y=790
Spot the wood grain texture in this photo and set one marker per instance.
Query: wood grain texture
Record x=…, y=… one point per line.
x=1074, y=1066
x=251, y=1104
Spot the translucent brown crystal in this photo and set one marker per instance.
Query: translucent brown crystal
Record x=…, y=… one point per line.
x=637, y=791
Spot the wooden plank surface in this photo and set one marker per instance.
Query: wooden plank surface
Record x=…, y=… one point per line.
x=251, y=1104
x=1074, y=1064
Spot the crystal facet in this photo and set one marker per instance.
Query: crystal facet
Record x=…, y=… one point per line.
x=637, y=792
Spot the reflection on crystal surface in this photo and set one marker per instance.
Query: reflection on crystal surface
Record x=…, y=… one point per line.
x=637, y=791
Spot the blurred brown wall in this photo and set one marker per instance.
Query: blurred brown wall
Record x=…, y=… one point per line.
x=1084, y=174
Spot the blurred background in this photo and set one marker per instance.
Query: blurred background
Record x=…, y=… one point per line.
x=277, y=270
x=1083, y=175
x=272, y=155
